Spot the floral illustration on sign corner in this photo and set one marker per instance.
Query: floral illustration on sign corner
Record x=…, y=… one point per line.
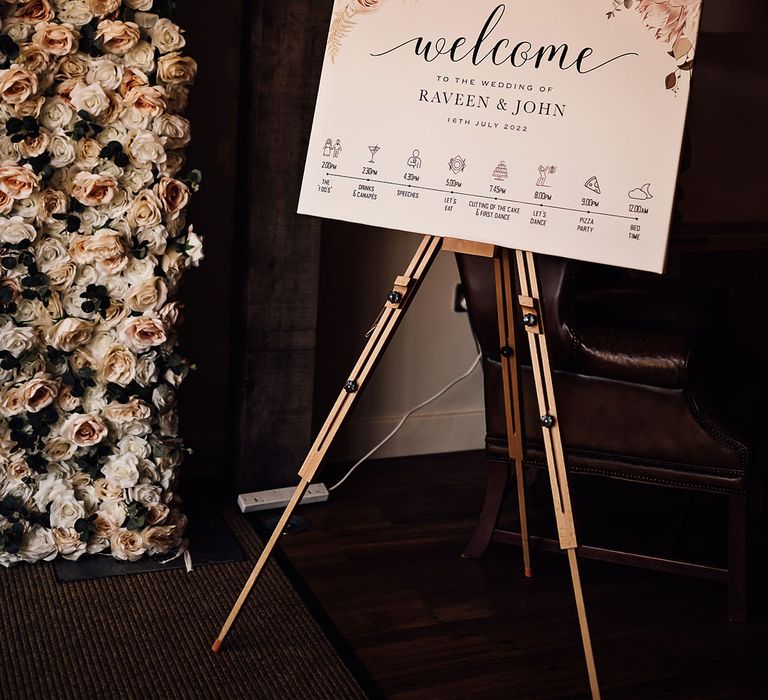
x=345, y=19
x=93, y=243
x=674, y=23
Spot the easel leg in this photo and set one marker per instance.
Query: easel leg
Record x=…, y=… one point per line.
x=530, y=301
x=398, y=301
x=510, y=371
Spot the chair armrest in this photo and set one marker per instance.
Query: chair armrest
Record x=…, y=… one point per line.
x=640, y=357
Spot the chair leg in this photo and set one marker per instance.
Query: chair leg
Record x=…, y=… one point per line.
x=737, y=559
x=495, y=490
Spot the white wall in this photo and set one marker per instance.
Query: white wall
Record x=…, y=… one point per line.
x=433, y=346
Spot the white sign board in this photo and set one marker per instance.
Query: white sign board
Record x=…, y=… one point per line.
x=553, y=126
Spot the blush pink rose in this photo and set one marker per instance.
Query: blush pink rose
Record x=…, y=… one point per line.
x=670, y=19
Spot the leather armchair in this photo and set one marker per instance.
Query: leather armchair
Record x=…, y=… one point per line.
x=642, y=396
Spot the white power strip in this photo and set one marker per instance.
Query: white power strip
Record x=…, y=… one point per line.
x=279, y=498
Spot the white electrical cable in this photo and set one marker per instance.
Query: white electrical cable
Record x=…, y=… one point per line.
x=426, y=403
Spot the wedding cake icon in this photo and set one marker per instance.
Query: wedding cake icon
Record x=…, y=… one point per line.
x=501, y=173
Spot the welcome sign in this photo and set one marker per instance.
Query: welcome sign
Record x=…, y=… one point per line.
x=553, y=126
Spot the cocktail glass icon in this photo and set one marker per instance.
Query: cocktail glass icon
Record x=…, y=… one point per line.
x=374, y=150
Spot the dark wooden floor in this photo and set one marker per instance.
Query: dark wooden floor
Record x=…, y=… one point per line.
x=383, y=559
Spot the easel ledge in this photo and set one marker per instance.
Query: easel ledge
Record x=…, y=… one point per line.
x=403, y=292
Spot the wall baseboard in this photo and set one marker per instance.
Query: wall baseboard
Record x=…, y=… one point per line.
x=425, y=433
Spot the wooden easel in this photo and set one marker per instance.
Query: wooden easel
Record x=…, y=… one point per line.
x=399, y=299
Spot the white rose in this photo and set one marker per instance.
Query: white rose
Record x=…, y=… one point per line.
x=114, y=510
x=56, y=114
x=156, y=238
x=91, y=98
x=169, y=424
x=147, y=296
x=166, y=36
x=140, y=5
x=134, y=445
x=114, y=132
x=38, y=545
x=127, y=545
x=135, y=179
x=173, y=129
x=49, y=488
x=105, y=72
x=146, y=149
x=17, y=29
x=15, y=230
x=75, y=11
x=141, y=56
x=146, y=369
x=15, y=339
x=66, y=511
x=139, y=271
x=93, y=219
x=194, y=247
x=50, y=252
x=145, y=494
x=122, y=470
x=62, y=150
x=164, y=398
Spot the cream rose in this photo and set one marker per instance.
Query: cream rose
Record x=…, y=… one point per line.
x=103, y=7
x=57, y=449
x=166, y=36
x=175, y=69
x=17, y=85
x=118, y=366
x=173, y=195
x=15, y=230
x=117, y=37
x=69, y=544
x=35, y=11
x=57, y=39
x=83, y=430
x=91, y=189
x=70, y=333
x=39, y=392
x=127, y=545
x=140, y=5
x=149, y=295
x=145, y=210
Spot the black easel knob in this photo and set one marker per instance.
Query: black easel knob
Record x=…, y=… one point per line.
x=394, y=297
x=507, y=351
x=548, y=422
x=530, y=320
x=351, y=387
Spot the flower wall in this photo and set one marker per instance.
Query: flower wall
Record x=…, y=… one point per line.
x=93, y=243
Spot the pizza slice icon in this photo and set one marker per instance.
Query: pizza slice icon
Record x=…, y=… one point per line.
x=593, y=184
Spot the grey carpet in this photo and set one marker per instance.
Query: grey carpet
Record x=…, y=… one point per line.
x=149, y=636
